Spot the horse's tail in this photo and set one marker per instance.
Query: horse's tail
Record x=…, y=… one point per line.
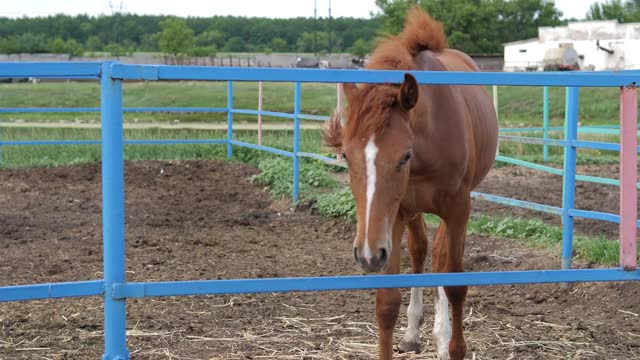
x=422, y=32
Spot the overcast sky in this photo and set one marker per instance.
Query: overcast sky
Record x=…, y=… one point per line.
x=260, y=8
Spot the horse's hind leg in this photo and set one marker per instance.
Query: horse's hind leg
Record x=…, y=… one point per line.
x=417, y=244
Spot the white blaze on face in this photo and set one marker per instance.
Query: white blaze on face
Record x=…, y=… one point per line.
x=442, y=325
x=370, y=152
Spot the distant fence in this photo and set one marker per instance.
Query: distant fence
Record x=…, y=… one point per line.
x=115, y=289
x=279, y=60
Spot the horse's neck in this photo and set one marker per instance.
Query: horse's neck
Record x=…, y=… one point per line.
x=440, y=114
x=439, y=132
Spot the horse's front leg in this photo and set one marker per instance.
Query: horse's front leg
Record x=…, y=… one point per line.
x=388, y=301
x=418, y=246
x=448, y=256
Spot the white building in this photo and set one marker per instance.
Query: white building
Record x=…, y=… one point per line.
x=600, y=45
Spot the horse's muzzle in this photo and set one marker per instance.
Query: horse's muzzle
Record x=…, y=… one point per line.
x=373, y=263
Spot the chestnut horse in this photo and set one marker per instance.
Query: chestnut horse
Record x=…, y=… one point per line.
x=412, y=150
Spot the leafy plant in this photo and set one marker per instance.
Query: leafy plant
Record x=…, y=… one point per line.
x=277, y=174
x=539, y=234
x=533, y=230
x=339, y=204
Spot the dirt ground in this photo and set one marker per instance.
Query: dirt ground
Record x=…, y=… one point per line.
x=205, y=220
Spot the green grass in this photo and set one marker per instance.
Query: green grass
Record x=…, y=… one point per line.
x=277, y=175
x=338, y=204
x=55, y=155
x=518, y=106
x=19, y=156
x=522, y=106
x=533, y=153
x=536, y=233
x=316, y=99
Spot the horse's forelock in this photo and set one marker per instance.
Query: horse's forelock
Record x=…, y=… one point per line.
x=370, y=115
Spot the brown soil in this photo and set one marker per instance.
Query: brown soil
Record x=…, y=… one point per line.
x=204, y=220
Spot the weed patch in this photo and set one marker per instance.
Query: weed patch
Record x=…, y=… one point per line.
x=277, y=175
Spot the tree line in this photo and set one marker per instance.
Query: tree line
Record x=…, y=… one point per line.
x=125, y=33
x=473, y=26
x=478, y=26
x=623, y=11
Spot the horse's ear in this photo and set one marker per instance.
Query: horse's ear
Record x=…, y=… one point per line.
x=408, y=96
x=351, y=91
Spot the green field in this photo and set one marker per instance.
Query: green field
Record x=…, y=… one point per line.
x=317, y=99
x=518, y=106
x=311, y=141
x=55, y=155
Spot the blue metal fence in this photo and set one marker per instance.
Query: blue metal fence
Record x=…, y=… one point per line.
x=114, y=287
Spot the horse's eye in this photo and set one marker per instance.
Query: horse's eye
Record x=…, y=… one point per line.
x=344, y=156
x=404, y=160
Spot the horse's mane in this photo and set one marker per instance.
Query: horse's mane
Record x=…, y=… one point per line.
x=421, y=32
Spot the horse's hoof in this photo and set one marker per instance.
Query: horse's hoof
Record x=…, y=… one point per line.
x=410, y=346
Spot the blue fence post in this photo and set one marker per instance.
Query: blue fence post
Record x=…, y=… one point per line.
x=296, y=142
x=115, y=342
x=569, y=174
x=229, y=119
x=545, y=121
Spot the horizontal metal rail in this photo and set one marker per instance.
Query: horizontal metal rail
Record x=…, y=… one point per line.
x=262, y=148
x=263, y=112
x=49, y=142
x=328, y=160
x=273, y=285
x=69, y=70
x=501, y=158
x=518, y=203
x=242, y=286
x=529, y=164
x=314, y=117
x=595, y=129
x=548, y=169
x=51, y=290
x=127, y=142
x=581, y=144
x=127, y=109
x=586, y=214
x=596, y=215
x=169, y=72
x=49, y=110
x=591, y=129
x=176, y=109
x=175, y=141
